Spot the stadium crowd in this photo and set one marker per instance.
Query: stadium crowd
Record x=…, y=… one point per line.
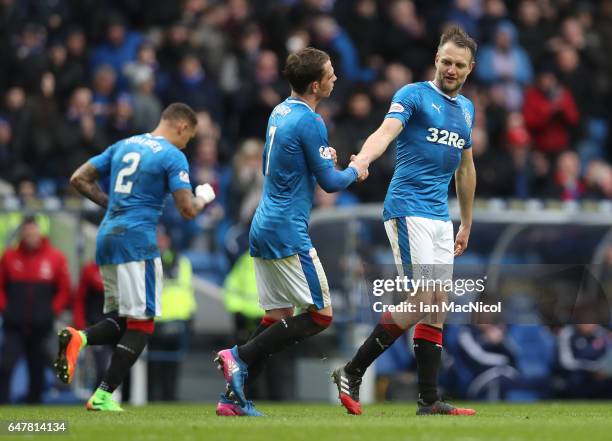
x=78, y=75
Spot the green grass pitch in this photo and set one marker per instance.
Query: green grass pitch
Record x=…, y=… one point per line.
x=571, y=421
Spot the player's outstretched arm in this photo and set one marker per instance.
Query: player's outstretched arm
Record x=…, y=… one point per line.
x=332, y=180
x=189, y=205
x=85, y=180
x=377, y=142
x=465, y=184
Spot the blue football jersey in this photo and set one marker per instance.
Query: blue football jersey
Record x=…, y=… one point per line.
x=437, y=128
x=296, y=147
x=143, y=169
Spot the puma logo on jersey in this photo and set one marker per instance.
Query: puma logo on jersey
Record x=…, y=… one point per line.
x=438, y=108
x=446, y=137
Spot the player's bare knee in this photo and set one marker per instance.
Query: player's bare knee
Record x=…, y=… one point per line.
x=279, y=314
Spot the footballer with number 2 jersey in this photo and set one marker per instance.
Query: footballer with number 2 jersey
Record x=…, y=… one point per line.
x=143, y=170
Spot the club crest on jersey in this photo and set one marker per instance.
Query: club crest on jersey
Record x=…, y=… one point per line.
x=468, y=117
x=184, y=176
x=325, y=152
x=396, y=107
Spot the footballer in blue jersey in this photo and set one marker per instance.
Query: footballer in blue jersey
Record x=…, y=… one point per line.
x=432, y=125
x=296, y=152
x=143, y=170
x=287, y=270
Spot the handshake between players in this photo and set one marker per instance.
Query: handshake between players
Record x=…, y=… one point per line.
x=359, y=162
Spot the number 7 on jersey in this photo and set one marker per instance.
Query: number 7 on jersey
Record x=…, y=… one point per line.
x=271, y=134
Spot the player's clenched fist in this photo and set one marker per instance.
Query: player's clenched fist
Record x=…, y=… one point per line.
x=205, y=192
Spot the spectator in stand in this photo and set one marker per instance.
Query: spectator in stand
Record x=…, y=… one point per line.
x=247, y=182
x=567, y=184
x=76, y=45
x=534, y=30
x=120, y=47
x=30, y=58
x=540, y=174
x=494, y=173
x=593, y=129
x=44, y=114
x=465, y=13
x=604, y=29
x=549, y=110
x=213, y=34
x=405, y=37
x=18, y=116
x=585, y=361
x=353, y=128
x=146, y=105
x=488, y=360
x=146, y=61
x=334, y=39
x=575, y=76
x=34, y=289
x=366, y=29
x=7, y=155
x=88, y=310
x=505, y=64
x=395, y=76
x=259, y=96
x=493, y=13
x=518, y=142
x=192, y=86
x=205, y=167
x=68, y=72
x=121, y=122
x=598, y=181
x=237, y=72
x=103, y=88
x=175, y=45
x=238, y=66
x=78, y=136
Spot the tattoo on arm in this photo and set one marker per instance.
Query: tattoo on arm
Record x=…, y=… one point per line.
x=85, y=180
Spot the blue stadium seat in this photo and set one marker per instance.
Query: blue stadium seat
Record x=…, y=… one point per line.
x=537, y=349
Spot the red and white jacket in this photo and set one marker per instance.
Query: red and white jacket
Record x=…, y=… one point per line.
x=34, y=285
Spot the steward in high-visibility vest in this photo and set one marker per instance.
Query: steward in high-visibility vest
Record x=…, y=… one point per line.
x=240, y=289
x=178, y=300
x=168, y=344
x=10, y=221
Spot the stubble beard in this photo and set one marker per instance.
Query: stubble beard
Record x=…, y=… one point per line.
x=447, y=90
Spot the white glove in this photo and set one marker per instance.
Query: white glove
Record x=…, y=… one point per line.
x=205, y=192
